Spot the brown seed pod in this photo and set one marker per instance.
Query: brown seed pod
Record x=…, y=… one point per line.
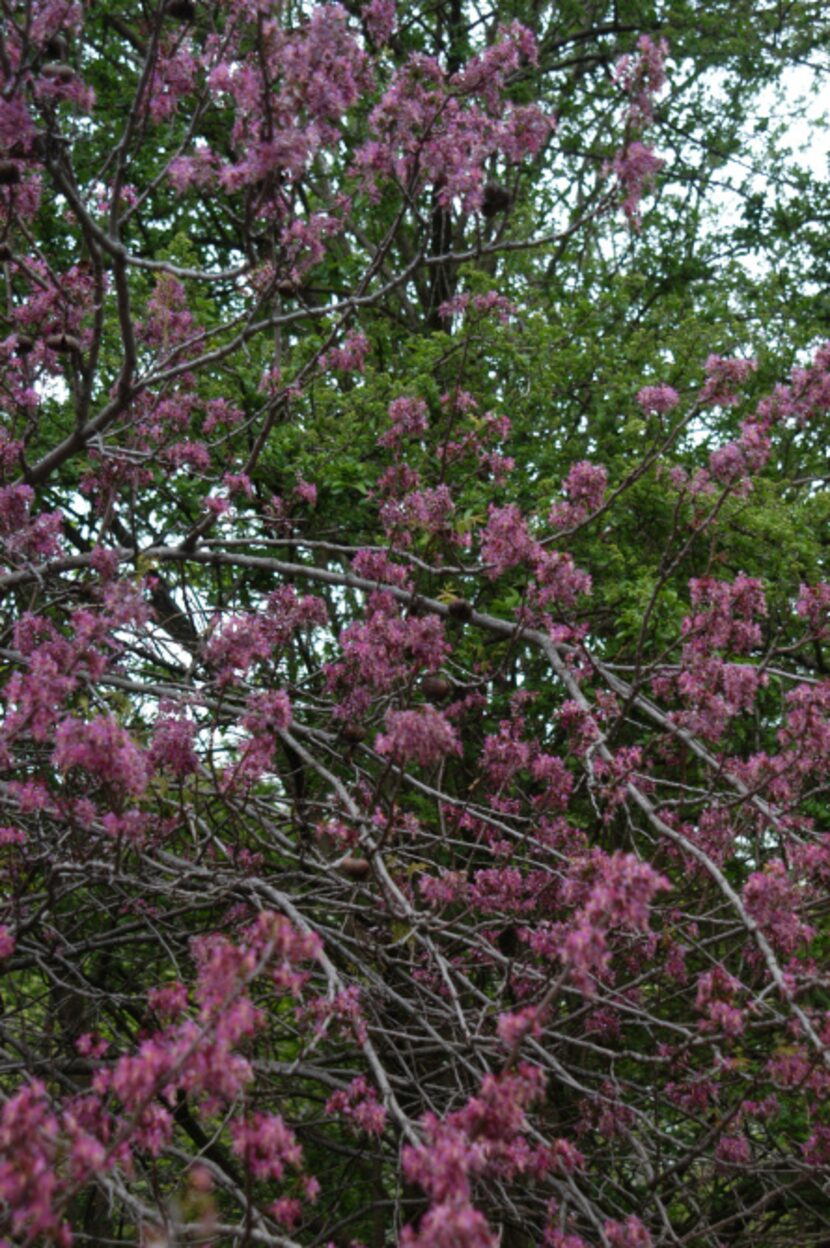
x=355, y=868
x=25, y=344
x=6, y=252
x=18, y=151
x=56, y=47
x=436, y=687
x=63, y=343
x=181, y=10
x=57, y=71
x=460, y=609
x=508, y=942
x=354, y=734
x=9, y=173
x=496, y=199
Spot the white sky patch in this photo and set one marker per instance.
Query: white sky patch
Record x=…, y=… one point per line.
x=795, y=111
x=808, y=135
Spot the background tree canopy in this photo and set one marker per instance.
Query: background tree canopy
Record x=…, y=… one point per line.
x=415, y=619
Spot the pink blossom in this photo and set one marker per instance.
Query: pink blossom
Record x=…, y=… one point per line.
x=7, y=941
x=505, y=540
x=628, y=1234
x=503, y=890
x=358, y=1103
x=558, y=581
x=383, y=650
x=169, y=321
x=484, y=1137
x=408, y=418
x=375, y=565
x=266, y=1145
x=636, y=168
x=104, y=750
x=452, y=1224
x=238, y=483
x=733, y=1150
x=193, y=455
x=306, y=491
x=267, y=713
x=351, y=357
x=716, y=993
x=105, y=562
x=171, y=748
x=585, y=484
x=29, y=1183
x=344, y=1008
x=423, y=736
x=513, y=1028
x=288, y=1210
x=554, y=1238
x=772, y=900
x=198, y=170
x=816, y=1149
x=430, y=510
x=660, y=398
x=443, y=890
x=814, y=605
x=642, y=77
x=169, y=1001
x=726, y=464
x=723, y=377
x=584, y=488
x=380, y=19
x=504, y=754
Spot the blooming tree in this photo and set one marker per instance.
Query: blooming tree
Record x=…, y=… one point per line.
x=416, y=729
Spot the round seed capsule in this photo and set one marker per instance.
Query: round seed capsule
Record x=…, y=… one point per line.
x=436, y=687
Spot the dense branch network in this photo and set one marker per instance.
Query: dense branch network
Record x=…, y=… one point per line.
x=364, y=881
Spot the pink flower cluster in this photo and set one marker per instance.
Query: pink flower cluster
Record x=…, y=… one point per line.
x=266, y=715
x=505, y=540
x=772, y=899
x=635, y=165
x=29, y=1183
x=104, y=750
x=642, y=78
x=506, y=543
x=422, y=736
x=660, y=398
x=714, y=690
x=35, y=537
x=46, y=1150
x=358, y=1104
x=408, y=418
x=619, y=896
x=384, y=650
x=238, y=642
x=724, y=377
x=717, y=992
x=584, y=488
x=266, y=1145
x=171, y=748
x=434, y=129
x=484, y=1139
